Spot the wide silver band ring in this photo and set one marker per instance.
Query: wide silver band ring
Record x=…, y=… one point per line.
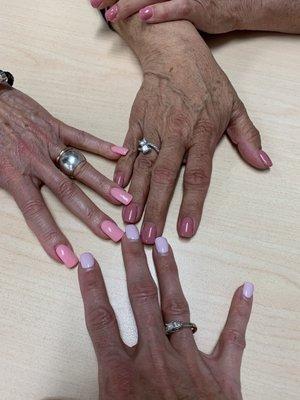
x=175, y=326
x=146, y=147
x=68, y=160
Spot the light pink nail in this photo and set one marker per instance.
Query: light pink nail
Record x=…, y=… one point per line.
x=121, y=195
x=87, y=260
x=146, y=13
x=96, y=3
x=111, y=14
x=119, y=150
x=265, y=159
x=162, y=245
x=248, y=290
x=66, y=255
x=112, y=230
x=132, y=232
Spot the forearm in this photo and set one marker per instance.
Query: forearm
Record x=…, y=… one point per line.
x=271, y=15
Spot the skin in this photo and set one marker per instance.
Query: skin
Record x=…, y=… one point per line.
x=160, y=367
x=185, y=105
x=30, y=141
x=212, y=16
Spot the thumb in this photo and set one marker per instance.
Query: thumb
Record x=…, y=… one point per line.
x=243, y=133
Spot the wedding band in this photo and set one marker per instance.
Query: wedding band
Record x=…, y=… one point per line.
x=175, y=326
x=146, y=147
x=69, y=159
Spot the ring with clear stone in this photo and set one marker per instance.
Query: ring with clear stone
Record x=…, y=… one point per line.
x=175, y=326
x=146, y=147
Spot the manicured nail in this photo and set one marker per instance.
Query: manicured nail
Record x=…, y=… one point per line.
x=149, y=233
x=162, y=245
x=119, y=179
x=130, y=213
x=119, y=150
x=111, y=14
x=132, y=232
x=66, y=255
x=186, y=229
x=112, y=230
x=121, y=195
x=146, y=13
x=248, y=290
x=96, y=3
x=87, y=260
x=265, y=159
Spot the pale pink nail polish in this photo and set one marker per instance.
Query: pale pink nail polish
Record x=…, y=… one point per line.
x=87, y=260
x=96, y=3
x=248, y=290
x=112, y=230
x=149, y=233
x=161, y=245
x=130, y=213
x=66, y=255
x=132, y=232
x=111, y=14
x=265, y=159
x=186, y=229
x=119, y=150
x=146, y=13
x=121, y=195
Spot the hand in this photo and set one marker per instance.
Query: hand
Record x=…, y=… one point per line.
x=160, y=367
x=30, y=141
x=184, y=106
x=209, y=15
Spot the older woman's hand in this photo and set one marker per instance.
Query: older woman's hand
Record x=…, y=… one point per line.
x=30, y=141
x=160, y=367
x=209, y=15
x=184, y=106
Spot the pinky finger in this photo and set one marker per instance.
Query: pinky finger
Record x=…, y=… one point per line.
x=167, y=11
x=41, y=222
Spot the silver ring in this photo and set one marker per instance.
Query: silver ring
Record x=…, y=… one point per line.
x=146, y=147
x=69, y=159
x=175, y=326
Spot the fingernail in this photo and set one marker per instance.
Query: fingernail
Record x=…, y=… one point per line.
x=162, y=245
x=112, y=230
x=87, y=260
x=111, y=14
x=186, y=229
x=119, y=179
x=119, y=150
x=146, y=13
x=248, y=290
x=149, y=233
x=121, y=195
x=130, y=213
x=66, y=255
x=96, y=3
x=132, y=232
x=265, y=159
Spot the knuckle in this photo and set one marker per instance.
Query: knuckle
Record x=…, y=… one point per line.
x=184, y=8
x=234, y=337
x=164, y=175
x=196, y=177
x=180, y=122
x=143, y=291
x=143, y=163
x=32, y=208
x=66, y=189
x=175, y=306
x=99, y=317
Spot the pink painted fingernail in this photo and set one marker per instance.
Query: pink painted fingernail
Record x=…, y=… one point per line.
x=121, y=195
x=96, y=3
x=130, y=213
x=112, y=230
x=162, y=245
x=119, y=150
x=132, y=232
x=248, y=290
x=265, y=159
x=111, y=14
x=149, y=233
x=146, y=13
x=66, y=255
x=87, y=260
x=186, y=229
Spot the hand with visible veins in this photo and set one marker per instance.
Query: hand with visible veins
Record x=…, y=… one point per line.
x=184, y=106
x=211, y=16
x=30, y=141
x=160, y=367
